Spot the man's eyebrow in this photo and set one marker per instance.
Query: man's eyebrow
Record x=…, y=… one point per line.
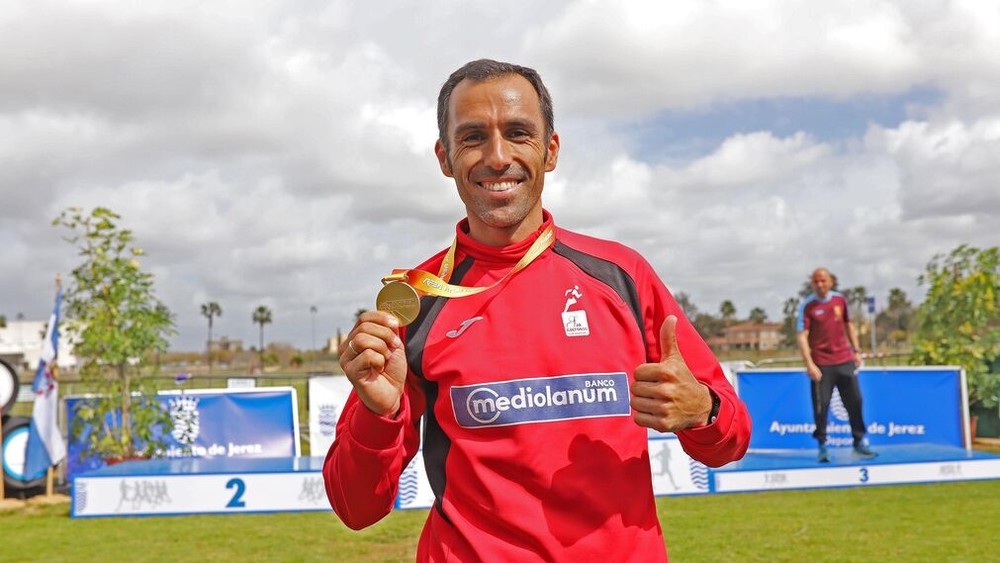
x=528, y=124
x=467, y=126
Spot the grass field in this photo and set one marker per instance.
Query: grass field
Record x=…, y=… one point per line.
x=958, y=521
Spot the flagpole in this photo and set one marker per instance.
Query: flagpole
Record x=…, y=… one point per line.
x=49, y=473
x=50, y=497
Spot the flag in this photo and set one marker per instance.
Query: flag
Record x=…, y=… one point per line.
x=45, y=446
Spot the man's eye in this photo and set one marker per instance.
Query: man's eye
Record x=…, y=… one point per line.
x=472, y=138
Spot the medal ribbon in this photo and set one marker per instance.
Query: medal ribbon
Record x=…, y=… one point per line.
x=429, y=284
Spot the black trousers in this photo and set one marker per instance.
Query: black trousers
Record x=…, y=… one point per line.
x=845, y=378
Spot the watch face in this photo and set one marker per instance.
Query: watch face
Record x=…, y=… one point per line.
x=716, y=403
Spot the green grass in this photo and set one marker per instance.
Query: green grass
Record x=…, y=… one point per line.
x=933, y=522
x=941, y=522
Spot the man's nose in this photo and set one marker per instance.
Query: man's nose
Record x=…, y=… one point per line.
x=498, y=153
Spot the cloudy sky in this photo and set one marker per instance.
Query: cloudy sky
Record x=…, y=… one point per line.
x=279, y=153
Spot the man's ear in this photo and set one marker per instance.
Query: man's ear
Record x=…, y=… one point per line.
x=552, y=153
x=443, y=161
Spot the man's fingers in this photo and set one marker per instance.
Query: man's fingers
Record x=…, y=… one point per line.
x=653, y=407
x=669, y=354
x=380, y=318
x=651, y=388
x=377, y=331
x=668, y=339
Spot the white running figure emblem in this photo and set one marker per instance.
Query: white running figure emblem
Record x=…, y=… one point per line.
x=572, y=296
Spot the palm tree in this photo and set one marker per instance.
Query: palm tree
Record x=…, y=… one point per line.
x=210, y=310
x=261, y=316
x=895, y=320
x=758, y=315
x=857, y=298
x=790, y=311
x=727, y=310
x=313, y=310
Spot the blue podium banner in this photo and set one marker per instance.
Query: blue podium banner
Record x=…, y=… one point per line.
x=900, y=406
x=231, y=423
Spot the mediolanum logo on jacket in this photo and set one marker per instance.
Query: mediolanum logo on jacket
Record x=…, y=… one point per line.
x=541, y=399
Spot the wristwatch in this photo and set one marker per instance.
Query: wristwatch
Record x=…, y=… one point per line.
x=716, y=402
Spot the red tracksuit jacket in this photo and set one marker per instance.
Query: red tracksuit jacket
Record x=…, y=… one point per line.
x=528, y=440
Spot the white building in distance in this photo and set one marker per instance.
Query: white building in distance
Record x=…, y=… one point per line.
x=21, y=344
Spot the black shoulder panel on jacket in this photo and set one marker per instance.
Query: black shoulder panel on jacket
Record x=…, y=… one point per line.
x=608, y=272
x=436, y=443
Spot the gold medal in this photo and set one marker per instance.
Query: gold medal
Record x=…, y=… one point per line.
x=400, y=299
x=401, y=290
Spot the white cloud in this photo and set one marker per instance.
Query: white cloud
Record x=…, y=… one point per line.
x=281, y=152
x=949, y=169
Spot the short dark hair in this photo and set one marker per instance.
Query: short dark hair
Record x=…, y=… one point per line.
x=487, y=69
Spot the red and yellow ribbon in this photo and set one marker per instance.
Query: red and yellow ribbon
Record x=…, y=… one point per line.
x=427, y=283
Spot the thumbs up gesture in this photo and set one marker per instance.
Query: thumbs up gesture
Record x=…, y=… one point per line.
x=665, y=395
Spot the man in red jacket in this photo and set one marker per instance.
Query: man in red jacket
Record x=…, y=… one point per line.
x=538, y=360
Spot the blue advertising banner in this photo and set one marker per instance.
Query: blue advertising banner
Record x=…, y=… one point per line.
x=208, y=423
x=900, y=405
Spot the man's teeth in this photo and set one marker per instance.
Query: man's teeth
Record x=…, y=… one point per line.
x=499, y=186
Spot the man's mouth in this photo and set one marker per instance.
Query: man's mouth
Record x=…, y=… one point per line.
x=503, y=186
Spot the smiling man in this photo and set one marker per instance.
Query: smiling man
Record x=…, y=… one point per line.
x=538, y=360
x=498, y=149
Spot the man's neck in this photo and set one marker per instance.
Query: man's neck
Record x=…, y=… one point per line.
x=504, y=236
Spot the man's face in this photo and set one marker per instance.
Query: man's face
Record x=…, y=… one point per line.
x=821, y=282
x=498, y=156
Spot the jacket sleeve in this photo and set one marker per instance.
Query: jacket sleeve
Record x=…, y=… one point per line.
x=727, y=439
x=362, y=468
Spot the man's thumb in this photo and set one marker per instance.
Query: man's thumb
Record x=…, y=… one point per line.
x=668, y=338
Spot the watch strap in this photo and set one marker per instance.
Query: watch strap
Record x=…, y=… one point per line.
x=716, y=403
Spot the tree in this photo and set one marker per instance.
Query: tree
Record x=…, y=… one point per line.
x=727, y=310
x=686, y=305
x=3, y=321
x=895, y=322
x=708, y=325
x=959, y=321
x=898, y=300
x=857, y=298
x=261, y=316
x=116, y=322
x=312, y=311
x=758, y=315
x=210, y=310
x=807, y=288
x=790, y=312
